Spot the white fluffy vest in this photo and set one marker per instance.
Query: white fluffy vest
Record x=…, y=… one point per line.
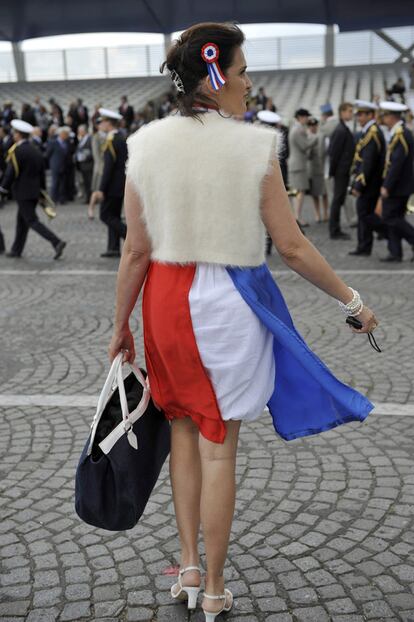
x=200, y=186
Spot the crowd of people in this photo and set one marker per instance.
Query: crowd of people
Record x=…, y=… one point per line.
x=359, y=160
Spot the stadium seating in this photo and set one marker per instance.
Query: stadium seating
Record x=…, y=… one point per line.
x=290, y=89
x=310, y=88
x=105, y=92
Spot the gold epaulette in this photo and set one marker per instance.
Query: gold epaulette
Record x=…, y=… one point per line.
x=109, y=145
x=372, y=134
x=361, y=178
x=397, y=138
x=11, y=157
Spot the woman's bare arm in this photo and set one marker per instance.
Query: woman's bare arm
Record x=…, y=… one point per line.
x=131, y=274
x=295, y=249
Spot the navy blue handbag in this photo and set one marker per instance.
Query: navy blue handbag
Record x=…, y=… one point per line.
x=125, y=451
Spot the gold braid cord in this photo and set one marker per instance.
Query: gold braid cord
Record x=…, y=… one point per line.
x=109, y=145
x=11, y=157
x=372, y=134
x=397, y=138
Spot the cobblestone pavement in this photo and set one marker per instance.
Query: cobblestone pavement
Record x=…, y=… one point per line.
x=323, y=527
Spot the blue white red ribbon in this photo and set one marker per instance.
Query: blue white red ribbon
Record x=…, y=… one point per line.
x=210, y=54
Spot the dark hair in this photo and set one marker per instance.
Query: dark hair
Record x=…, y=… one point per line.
x=184, y=57
x=344, y=106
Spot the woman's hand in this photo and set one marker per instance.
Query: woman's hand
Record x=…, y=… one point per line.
x=122, y=339
x=368, y=320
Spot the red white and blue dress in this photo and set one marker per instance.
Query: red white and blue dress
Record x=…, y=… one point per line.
x=220, y=345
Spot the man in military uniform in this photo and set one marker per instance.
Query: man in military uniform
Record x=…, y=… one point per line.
x=26, y=172
x=368, y=165
x=111, y=191
x=398, y=180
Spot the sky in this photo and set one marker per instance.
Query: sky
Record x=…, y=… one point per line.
x=253, y=31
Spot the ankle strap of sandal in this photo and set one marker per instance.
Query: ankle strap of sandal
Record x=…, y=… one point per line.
x=190, y=568
x=214, y=597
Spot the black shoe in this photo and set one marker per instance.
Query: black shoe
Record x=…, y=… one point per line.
x=391, y=258
x=12, y=254
x=59, y=249
x=340, y=236
x=354, y=225
x=111, y=254
x=362, y=253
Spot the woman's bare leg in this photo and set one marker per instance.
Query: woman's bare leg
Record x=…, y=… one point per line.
x=185, y=474
x=325, y=206
x=298, y=205
x=317, y=208
x=218, y=494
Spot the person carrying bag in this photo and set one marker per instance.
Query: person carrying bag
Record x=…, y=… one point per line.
x=125, y=451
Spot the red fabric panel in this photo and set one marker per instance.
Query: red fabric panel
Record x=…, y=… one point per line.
x=179, y=383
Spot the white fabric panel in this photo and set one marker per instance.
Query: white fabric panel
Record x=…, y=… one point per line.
x=235, y=347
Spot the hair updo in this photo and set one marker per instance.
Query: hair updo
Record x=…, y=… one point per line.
x=184, y=57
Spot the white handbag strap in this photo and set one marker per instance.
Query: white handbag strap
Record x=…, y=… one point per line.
x=115, y=379
x=109, y=384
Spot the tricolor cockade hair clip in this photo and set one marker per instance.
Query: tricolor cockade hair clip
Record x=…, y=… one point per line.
x=210, y=54
x=177, y=81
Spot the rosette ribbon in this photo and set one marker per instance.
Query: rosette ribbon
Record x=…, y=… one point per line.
x=210, y=54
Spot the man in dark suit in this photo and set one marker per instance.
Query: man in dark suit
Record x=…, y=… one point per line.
x=7, y=114
x=126, y=111
x=26, y=173
x=84, y=159
x=111, y=192
x=81, y=114
x=369, y=162
x=341, y=153
x=398, y=182
x=58, y=156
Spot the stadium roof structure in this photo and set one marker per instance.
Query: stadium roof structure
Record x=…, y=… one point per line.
x=27, y=19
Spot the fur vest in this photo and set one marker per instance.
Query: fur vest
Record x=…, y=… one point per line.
x=200, y=187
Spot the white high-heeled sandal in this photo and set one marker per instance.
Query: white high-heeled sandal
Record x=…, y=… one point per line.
x=186, y=591
x=210, y=616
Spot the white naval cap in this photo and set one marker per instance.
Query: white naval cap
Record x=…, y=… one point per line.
x=22, y=126
x=392, y=106
x=105, y=113
x=362, y=104
x=267, y=116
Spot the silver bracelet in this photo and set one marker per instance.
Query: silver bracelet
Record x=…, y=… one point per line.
x=354, y=307
x=357, y=311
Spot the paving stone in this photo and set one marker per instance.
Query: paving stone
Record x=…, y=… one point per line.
x=16, y=608
x=135, y=614
x=107, y=592
x=76, y=611
x=77, y=591
x=340, y=605
x=311, y=614
x=110, y=608
x=322, y=529
x=291, y=580
x=43, y=615
x=328, y=592
x=377, y=609
x=263, y=589
x=47, y=598
x=303, y=596
x=320, y=577
x=271, y=604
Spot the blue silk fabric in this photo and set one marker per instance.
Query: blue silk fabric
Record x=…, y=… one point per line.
x=307, y=398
